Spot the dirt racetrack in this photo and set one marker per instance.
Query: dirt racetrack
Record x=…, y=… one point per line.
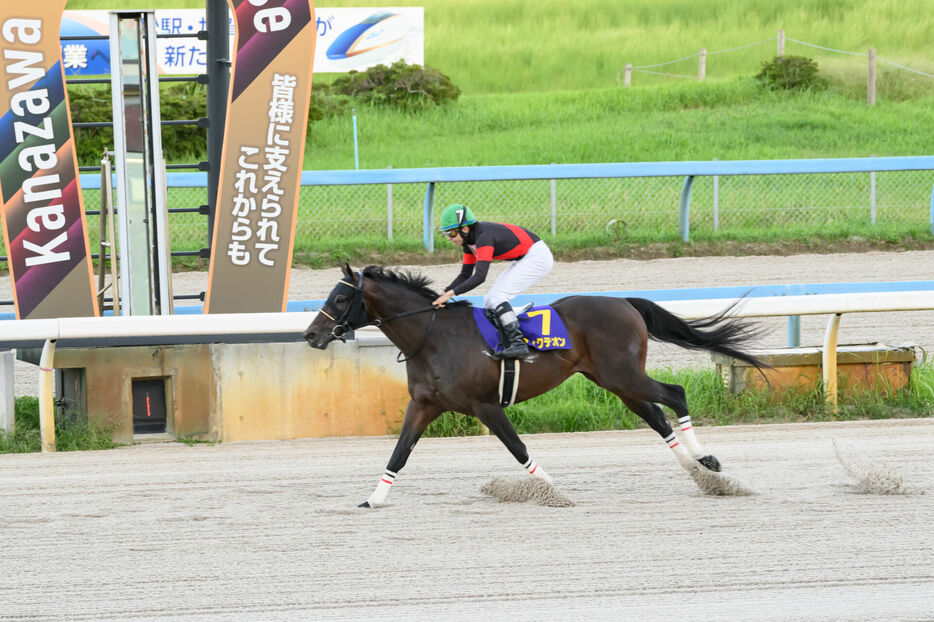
x=270, y=531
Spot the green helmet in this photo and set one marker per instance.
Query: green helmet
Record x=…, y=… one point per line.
x=456, y=216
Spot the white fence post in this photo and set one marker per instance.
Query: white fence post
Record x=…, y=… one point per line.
x=871, y=79
x=627, y=74
x=781, y=43
x=702, y=64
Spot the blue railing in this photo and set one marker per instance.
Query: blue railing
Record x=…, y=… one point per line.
x=688, y=170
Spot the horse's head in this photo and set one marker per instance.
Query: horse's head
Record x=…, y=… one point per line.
x=343, y=311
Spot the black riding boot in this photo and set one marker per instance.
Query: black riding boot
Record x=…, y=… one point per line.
x=514, y=346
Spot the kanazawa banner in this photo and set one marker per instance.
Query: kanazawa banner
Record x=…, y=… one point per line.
x=264, y=142
x=44, y=226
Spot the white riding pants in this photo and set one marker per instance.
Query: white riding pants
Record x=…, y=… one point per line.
x=520, y=275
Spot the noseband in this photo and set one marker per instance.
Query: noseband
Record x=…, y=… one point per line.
x=355, y=316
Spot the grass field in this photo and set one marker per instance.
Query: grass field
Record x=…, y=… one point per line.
x=513, y=46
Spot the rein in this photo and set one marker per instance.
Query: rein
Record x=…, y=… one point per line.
x=357, y=308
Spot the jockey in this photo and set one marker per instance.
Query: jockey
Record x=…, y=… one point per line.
x=482, y=243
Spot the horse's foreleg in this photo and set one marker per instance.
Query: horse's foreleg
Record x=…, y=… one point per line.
x=417, y=418
x=494, y=418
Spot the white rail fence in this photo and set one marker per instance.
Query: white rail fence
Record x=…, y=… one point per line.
x=213, y=328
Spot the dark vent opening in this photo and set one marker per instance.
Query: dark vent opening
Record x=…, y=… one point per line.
x=149, y=415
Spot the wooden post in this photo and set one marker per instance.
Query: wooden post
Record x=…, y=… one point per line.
x=781, y=43
x=701, y=64
x=627, y=74
x=871, y=82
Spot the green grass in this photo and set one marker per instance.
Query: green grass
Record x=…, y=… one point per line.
x=554, y=97
x=512, y=46
x=731, y=119
x=26, y=436
x=578, y=405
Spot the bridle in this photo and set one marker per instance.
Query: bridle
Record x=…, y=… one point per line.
x=355, y=316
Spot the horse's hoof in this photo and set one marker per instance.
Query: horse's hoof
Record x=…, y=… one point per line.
x=365, y=504
x=710, y=462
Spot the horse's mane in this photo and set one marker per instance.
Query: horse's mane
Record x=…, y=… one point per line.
x=413, y=281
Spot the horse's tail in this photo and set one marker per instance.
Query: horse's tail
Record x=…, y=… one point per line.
x=715, y=333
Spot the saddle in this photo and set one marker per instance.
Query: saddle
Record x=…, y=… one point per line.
x=542, y=327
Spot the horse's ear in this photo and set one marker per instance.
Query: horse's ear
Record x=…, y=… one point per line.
x=345, y=267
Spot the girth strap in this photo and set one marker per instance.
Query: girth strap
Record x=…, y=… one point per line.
x=508, y=381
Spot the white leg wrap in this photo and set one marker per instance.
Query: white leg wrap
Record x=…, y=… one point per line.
x=681, y=453
x=536, y=471
x=378, y=498
x=689, y=439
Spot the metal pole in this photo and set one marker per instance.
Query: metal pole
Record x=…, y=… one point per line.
x=931, y=216
x=356, y=153
x=829, y=360
x=794, y=331
x=554, y=206
x=46, y=400
x=389, y=209
x=684, y=213
x=716, y=201
x=428, y=234
x=217, y=28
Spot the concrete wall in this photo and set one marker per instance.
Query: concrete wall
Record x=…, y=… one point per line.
x=281, y=391
x=235, y=392
x=859, y=368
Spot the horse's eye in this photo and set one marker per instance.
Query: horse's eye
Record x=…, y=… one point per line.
x=341, y=299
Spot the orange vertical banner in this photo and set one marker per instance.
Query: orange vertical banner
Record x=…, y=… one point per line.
x=44, y=225
x=264, y=144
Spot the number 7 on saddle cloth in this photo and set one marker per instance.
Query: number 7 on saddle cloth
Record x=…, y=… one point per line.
x=541, y=326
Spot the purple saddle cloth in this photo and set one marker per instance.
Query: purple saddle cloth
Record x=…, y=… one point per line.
x=542, y=327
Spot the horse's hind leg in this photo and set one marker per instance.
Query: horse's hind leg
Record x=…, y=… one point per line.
x=494, y=418
x=417, y=417
x=643, y=395
x=653, y=415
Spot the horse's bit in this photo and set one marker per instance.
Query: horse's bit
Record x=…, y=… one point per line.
x=355, y=316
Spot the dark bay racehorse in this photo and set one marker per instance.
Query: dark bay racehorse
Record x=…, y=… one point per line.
x=450, y=367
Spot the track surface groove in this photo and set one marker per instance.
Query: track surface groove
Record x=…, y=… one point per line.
x=269, y=530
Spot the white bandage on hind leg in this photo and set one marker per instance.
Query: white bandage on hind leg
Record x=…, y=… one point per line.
x=681, y=453
x=536, y=471
x=688, y=437
x=378, y=498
